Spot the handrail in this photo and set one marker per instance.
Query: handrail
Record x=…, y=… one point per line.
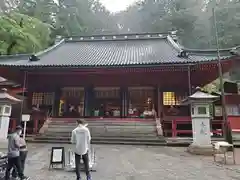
x=46, y=123
x=170, y=125
x=49, y=114
x=175, y=122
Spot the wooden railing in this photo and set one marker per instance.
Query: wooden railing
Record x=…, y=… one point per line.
x=33, y=126
x=172, y=127
x=235, y=123
x=14, y=122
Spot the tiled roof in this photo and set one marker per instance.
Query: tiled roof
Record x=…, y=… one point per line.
x=5, y=82
x=119, y=50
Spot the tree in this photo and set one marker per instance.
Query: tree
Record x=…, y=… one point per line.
x=70, y=17
x=228, y=23
x=34, y=24
x=44, y=10
x=6, y=5
x=191, y=18
x=22, y=34
x=164, y=16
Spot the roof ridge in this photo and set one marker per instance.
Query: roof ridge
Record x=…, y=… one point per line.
x=211, y=50
x=174, y=43
x=40, y=53
x=94, y=38
x=123, y=34
x=150, y=51
x=51, y=48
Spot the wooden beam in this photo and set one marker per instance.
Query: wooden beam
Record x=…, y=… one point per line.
x=189, y=81
x=119, y=70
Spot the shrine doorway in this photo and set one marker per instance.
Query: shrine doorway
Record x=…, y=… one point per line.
x=141, y=102
x=107, y=102
x=72, y=102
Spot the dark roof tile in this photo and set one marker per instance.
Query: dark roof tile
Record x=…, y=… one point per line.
x=113, y=51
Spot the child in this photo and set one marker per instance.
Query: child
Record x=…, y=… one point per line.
x=23, y=156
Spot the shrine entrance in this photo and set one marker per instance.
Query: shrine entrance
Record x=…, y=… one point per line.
x=141, y=102
x=72, y=102
x=107, y=102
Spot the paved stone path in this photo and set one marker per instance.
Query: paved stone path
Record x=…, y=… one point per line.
x=134, y=163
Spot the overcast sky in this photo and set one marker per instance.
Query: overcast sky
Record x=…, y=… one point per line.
x=117, y=5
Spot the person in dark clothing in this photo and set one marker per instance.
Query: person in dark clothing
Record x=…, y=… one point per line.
x=14, y=154
x=23, y=156
x=101, y=111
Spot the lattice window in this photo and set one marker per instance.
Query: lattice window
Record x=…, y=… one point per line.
x=46, y=98
x=107, y=92
x=73, y=92
x=37, y=99
x=141, y=100
x=171, y=98
x=141, y=93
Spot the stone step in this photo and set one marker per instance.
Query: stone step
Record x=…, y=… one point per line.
x=105, y=134
x=104, y=119
x=106, y=130
x=94, y=133
x=105, y=123
x=123, y=120
x=160, y=143
x=68, y=134
x=101, y=125
x=135, y=139
x=109, y=126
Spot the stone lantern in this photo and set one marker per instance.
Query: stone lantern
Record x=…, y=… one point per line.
x=6, y=101
x=200, y=114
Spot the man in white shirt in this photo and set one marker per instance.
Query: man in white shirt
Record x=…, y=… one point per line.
x=81, y=139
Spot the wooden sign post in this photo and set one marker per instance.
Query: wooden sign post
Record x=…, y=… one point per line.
x=25, y=119
x=57, y=157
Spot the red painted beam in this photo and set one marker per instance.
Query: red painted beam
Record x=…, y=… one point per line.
x=96, y=72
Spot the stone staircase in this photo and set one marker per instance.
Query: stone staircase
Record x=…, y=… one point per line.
x=110, y=131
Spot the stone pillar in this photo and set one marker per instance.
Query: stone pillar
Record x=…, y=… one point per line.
x=201, y=124
x=200, y=114
x=5, y=112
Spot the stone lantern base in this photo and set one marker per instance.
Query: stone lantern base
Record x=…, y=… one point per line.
x=206, y=150
x=3, y=145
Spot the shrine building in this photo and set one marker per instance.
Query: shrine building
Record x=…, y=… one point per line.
x=140, y=77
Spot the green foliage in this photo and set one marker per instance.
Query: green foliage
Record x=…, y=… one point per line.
x=21, y=34
x=34, y=24
x=212, y=87
x=70, y=18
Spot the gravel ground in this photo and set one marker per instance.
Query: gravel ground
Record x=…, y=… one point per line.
x=116, y=162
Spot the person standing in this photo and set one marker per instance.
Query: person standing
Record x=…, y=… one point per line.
x=23, y=156
x=14, y=154
x=81, y=139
